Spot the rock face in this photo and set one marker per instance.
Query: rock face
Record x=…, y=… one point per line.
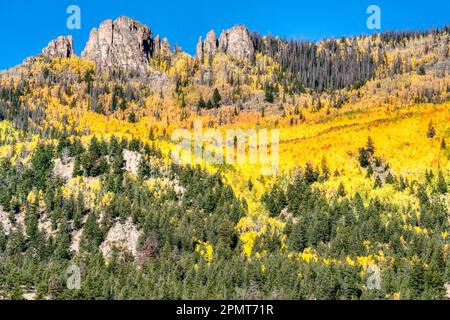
x=123, y=43
x=161, y=47
x=62, y=47
x=237, y=43
x=4, y=220
x=132, y=161
x=199, y=49
x=210, y=45
x=122, y=236
x=207, y=48
x=63, y=169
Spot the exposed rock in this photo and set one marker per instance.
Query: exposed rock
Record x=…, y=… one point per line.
x=123, y=43
x=208, y=48
x=6, y=222
x=45, y=226
x=122, y=236
x=199, y=49
x=178, y=188
x=62, y=47
x=132, y=160
x=28, y=61
x=76, y=239
x=165, y=47
x=162, y=47
x=210, y=45
x=63, y=169
x=237, y=43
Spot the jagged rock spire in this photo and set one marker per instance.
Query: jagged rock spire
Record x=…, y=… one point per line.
x=122, y=43
x=61, y=47
x=236, y=42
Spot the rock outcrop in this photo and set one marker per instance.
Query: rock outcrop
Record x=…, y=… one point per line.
x=123, y=43
x=4, y=220
x=161, y=47
x=237, y=43
x=199, y=49
x=61, y=47
x=210, y=45
x=132, y=161
x=122, y=236
x=208, y=48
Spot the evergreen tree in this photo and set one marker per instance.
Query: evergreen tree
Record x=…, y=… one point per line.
x=441, y=184
x=431, y=131
x=201, y=104
x=216, y=99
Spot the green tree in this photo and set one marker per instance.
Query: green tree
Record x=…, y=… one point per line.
x=144, y=170
x=431, y=132
x=216, y=99
x=416, y=279
x=201, y=104
x=269, y=95
x=441, y=184
x=92, y=235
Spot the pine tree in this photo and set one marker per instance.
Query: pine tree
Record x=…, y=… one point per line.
x=77, y=170
x=269, y=93
x=92, y=235
x=3, y=239
x=325, y=169
x=310, y=175
x=363, y=158
x=416, y=279
x=378, y=183
x=370, y=146
x=441, y=184
x=431, y=131
x=144, y=170
x=118, y=164
x=217, y=99
x=201, y=104
x=341, y=191
x=390, y=178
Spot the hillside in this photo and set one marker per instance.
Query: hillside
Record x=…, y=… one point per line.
x=360, y=187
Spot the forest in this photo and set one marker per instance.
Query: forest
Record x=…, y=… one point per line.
x=358, y=209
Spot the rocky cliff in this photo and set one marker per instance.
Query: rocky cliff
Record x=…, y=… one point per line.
x=235, y=42
x=128, y=44
x=61, y=47
x=123, y=43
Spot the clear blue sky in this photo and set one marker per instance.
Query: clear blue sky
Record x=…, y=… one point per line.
x=26, y=26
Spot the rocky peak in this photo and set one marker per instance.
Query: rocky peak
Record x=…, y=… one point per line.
x=61, y=47
x=208, y=48
x=161, y=47
x=210, y=45
x=123, y=43
x=199, y=49
x=236, y=42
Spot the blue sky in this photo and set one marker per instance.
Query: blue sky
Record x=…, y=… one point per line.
x=26, y=26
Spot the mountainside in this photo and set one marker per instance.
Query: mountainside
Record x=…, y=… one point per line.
x=359, y=189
